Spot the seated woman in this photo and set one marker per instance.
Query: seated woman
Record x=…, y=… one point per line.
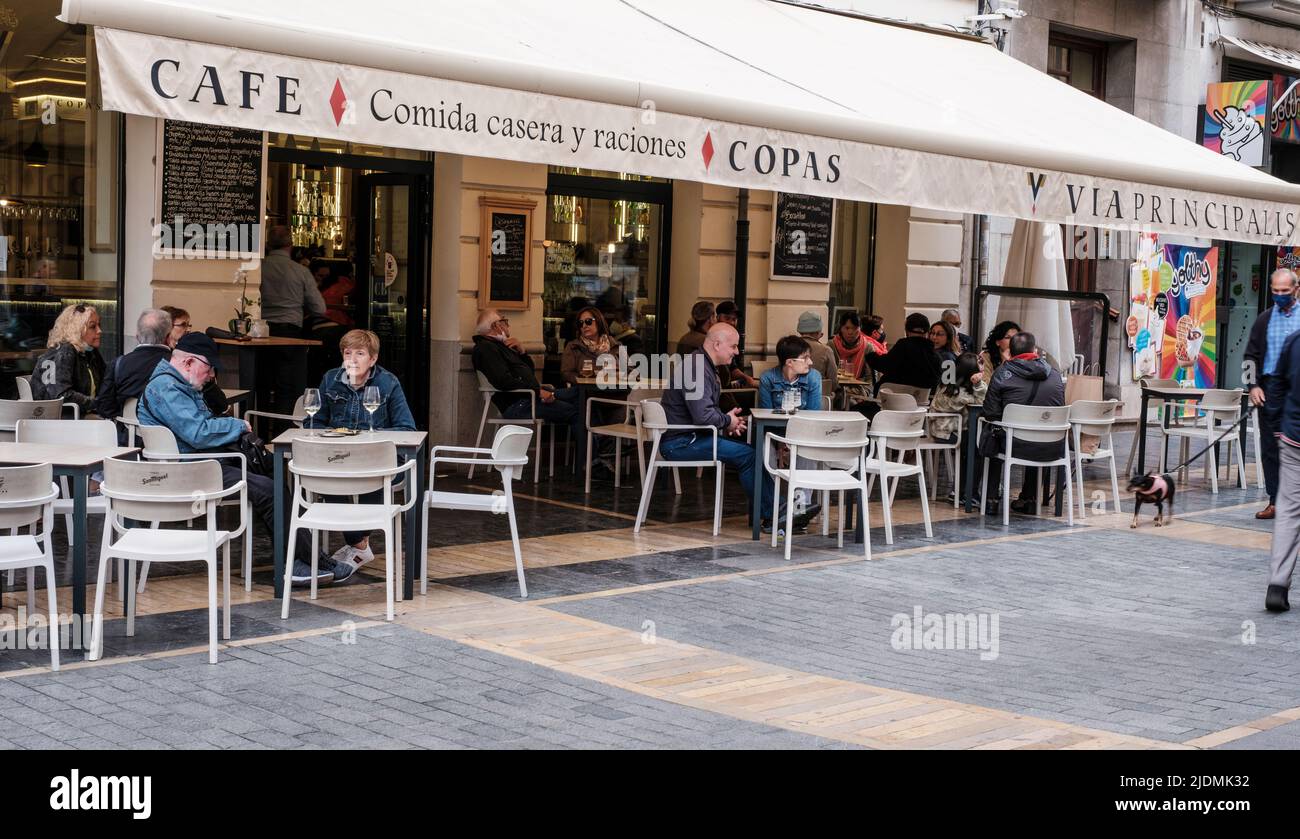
x=72, y=368
x=944, y=337
x=794, y=371
x=341, y=392
x=968, y=388
x=592, y=342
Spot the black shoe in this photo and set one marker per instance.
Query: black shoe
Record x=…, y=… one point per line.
x=601, y=472
x=1023, y=505
x=810, y=512
x=1276, y=600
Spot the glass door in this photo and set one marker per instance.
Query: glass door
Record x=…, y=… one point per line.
x=391, y=276
x=1243, y=286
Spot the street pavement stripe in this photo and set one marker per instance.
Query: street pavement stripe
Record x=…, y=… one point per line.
x=740, y=688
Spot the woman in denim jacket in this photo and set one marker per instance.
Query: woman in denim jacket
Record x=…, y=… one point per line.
x=341, y=392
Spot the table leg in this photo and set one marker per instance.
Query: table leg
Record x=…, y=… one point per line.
x=858, y=515
x=278, y=546
x=79, y=481
x=412, y=548
x=756, y=490
x=1142, y=435
x=972, y=452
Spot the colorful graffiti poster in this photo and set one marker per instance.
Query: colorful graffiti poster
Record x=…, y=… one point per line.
x=1289, y=258
x=1284, y=118
x=1236, y=116
x=1147, y=308
x=1189, y=350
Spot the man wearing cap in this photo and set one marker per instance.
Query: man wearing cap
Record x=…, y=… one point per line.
x=174, y=399
x=810, y=329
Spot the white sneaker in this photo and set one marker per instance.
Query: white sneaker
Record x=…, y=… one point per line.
x=355, y=557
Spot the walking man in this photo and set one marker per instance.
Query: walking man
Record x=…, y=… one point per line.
x=1267, y=389
x=1285, y=394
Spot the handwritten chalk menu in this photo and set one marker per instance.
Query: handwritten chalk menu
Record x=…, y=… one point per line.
x=212, y=175
x=505, y=245
x=803, y=226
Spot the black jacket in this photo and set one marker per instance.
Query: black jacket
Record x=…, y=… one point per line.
x=64, y=373
x=911, y=361
x=126, y=378
x=1257, y=343
x=504, y=369
x=1013, y=384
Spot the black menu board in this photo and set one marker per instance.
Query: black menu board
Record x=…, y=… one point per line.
x=507, y=274
x=801, y=239
x=212, y=175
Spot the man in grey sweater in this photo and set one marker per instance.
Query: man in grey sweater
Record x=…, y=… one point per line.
x=288, y=291
x=693, y=399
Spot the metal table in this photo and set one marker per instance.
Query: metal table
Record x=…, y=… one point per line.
x=410, y=444
x=239, y=360
x=76, y=463
x=766, y=421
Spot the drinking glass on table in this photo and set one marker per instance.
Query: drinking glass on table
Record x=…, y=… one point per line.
x=370, y=401
x=588, y=368
x=311, y=403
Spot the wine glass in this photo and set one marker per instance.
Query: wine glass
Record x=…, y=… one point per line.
x=311, y=404
x=370, y=401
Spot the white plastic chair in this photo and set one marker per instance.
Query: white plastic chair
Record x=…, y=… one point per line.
x=165, y=492
x=902, y=432
x=1033, y=424
x=13, y=410
x=24, y=384
x=654, y=420
x=160, y=447
x=28, y=499
x=920, y=395
x=761, y=366
x=509, y=456
x=297, y=418
x=130, y=419
x=1216, y=411
x=840, y=447
x=326, y=467
x=628, y=429
x=931, y=447
x=59, y=432
x=1098, y=420
x=538, y=424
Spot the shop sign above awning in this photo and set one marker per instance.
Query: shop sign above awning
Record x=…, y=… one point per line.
x=804, y=123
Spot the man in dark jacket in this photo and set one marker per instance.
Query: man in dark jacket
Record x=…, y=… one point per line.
x=911, y=361
x=1286, y=524
x=502, y=361
x=1259, y=373
x=1023, y=379
x=126, y=378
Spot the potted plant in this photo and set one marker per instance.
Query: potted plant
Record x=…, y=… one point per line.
x=242, y=323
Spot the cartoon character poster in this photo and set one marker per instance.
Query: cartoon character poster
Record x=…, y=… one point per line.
x=1236, y=116
x=1189, y=350
x=1147, y=308
x=1284, y=116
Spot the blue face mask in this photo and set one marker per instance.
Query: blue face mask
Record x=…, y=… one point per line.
x=1283, y=301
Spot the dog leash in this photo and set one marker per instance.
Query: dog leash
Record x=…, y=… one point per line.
x=1220, y=439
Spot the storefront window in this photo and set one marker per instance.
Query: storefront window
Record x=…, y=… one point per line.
x=853, y=260
x=1241, y=286
x=59, y=182
x=605, y=248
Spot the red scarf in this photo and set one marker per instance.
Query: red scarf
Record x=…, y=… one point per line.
x=1026, y=356
x=853, y=355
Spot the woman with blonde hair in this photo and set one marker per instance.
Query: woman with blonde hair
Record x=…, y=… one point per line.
x=72, y=368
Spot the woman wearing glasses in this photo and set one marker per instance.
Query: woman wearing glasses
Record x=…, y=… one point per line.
x=359, y=396
x=582, y=355
x=72, y=368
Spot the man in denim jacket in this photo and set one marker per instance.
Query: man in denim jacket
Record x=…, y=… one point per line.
x=341, y=392
x=173, y=399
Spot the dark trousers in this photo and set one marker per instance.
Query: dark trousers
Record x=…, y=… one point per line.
x=1029, y=451
x=286, y=373
x=261, y=497
x=562, y=410
x=1270, y=425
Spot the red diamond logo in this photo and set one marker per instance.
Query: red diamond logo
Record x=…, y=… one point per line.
x=338, y=101
x=706, y=150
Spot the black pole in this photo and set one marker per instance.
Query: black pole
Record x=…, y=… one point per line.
x=741, y=288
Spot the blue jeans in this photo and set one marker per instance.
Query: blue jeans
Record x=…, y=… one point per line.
x=563, y=410
x=699, y=446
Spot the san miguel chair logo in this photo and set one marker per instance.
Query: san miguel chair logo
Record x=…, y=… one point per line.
x=1036, y=182
x=833, y=431
x=154, y=478
x=337, y=456
x=38, y=412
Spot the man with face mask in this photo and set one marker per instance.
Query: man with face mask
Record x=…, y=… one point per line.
x=1259, y=373
x=174, y=399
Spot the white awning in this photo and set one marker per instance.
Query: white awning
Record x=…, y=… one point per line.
x=751, y=93
x=1284, y=57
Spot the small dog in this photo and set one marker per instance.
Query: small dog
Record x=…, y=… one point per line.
x=1153, y=489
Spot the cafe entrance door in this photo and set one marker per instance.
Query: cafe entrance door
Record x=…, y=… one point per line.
x=361, y=224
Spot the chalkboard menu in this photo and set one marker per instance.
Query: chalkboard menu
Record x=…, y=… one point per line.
x=803, y=227
x=211, y=175
x=506, y=248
